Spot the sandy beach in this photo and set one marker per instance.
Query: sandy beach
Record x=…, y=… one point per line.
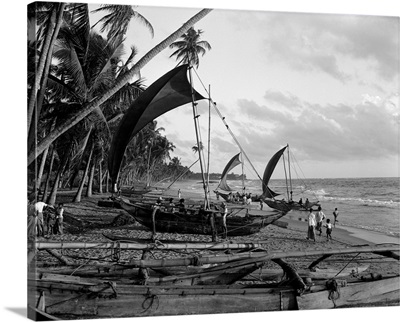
x=99, y=220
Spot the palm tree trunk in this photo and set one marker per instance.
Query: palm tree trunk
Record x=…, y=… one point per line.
x=46, y=187
x=89, y=191
x=107, y=180
x=53, y=195
x=78, y=195
x=44, y=61
x=100, y=176
x=41, y=169
x=120, y=82
x=43, y=83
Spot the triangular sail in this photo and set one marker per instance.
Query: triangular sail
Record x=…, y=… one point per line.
x=166, y=93
x=268, y=193
x=223, y=185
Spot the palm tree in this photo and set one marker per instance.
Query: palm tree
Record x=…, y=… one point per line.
x=188, y=49
x=49, y=18
x=123, y=79
x=197, y=149
x=118, y=19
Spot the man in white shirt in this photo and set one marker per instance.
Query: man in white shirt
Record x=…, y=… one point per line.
x=39, y=207
x=311, y=225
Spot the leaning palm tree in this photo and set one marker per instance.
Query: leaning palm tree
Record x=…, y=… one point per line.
x=92, y=105
x=188, y=49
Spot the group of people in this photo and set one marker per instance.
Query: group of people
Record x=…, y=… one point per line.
x=45, y=220
x=315, y=223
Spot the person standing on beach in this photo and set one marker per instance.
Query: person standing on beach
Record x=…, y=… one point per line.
x=328, y=226
x=39, y=207
x=59, y=219
x=179, y=194
x=224, y=214
x=311, y=225
x=335, y=215
x=319, y=217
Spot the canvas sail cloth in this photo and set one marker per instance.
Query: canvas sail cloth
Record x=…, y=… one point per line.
x=168, y=92
x=223, y=185
x=269, y=169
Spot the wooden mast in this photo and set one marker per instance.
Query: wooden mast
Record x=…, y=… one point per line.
x=195, y=118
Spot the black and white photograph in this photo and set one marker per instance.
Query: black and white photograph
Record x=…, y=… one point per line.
x=209, y=160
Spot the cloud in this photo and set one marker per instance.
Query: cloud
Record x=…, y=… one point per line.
x=326, y=43
x=365, y=131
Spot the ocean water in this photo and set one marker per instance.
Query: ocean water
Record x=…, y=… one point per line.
x=368, y=203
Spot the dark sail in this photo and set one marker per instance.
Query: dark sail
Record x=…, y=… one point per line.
x=166, y=93
x=223, y=185
x=268, y=193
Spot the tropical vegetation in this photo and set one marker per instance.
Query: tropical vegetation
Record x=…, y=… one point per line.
x=79, y=86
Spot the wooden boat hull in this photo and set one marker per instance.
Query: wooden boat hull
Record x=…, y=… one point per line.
x=198, y=223
x=285, y=206
x=72, y=300
x=381, y=292
x=79, y=298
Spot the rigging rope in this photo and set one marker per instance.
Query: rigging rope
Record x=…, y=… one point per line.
x=227, y=126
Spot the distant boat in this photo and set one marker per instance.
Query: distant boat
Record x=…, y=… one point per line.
x=223, y=190
x=268, y=195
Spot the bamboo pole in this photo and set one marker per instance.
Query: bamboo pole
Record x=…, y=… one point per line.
x=126, y=245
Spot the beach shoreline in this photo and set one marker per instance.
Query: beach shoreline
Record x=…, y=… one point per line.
x=297, y=220
x=344, y=234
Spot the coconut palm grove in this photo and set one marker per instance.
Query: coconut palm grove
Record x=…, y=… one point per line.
x=80, y=83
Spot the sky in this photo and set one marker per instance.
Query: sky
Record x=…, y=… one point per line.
x=326, y=84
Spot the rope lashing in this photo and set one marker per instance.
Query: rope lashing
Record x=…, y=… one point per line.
x=116, y=251
x=149, y=301
x=197, y=261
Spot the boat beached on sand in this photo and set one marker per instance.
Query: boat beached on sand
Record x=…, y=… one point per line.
x=268, y=196
x=70, y=296
x=168, y=92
